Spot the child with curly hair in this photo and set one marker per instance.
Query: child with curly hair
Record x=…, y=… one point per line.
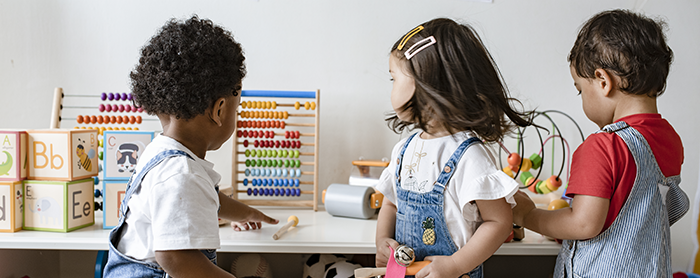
x=444, y=195
x=624, y=178
x=189, y=75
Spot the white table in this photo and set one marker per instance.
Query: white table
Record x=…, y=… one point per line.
x=317, y=232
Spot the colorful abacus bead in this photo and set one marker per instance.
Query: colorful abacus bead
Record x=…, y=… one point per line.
x=536, y=161
x=544, y=187
x=508, y=171
x=526, y=165
x=514, y=161
x=555, y=182
x=524, y=176
x=557, y=204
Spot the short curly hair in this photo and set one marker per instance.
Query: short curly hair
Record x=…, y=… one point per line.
x=630, y=45
x=185, y=67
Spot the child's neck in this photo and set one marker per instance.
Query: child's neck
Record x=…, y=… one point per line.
x=190, y=133
x=432, y=134
x=634, y=104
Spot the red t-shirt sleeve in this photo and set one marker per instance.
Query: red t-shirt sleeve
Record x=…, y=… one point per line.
x=596, y=166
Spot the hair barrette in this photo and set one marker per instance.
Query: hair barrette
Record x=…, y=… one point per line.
x=422, y=44
x=408, y=36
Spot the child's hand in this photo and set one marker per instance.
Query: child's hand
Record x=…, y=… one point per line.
x=440, y=266
x=253, y=221
x=523, y=206
x=383, y=252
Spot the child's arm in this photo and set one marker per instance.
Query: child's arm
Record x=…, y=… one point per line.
x=242, y=215
x=188, y=263
x=583, y=220
x=498, y=222
x=386, y=222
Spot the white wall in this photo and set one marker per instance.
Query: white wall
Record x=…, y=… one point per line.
x=340, y=47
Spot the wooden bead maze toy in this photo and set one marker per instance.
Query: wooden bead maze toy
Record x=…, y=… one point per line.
x=275, y=149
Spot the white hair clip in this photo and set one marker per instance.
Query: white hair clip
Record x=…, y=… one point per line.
x=422, y=44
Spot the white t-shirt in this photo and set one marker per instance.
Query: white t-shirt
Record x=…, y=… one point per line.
x=475, y=178
x=176, y=207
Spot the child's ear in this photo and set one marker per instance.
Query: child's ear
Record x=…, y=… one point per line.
x=217, y=111
x=604, y=81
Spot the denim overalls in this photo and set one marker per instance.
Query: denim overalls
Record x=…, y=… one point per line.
x=638, y=243
x=119, y=265
x=414, y=209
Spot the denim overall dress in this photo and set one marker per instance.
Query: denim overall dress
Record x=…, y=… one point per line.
x=638, y=243
x=119, y=265
x=413, y=209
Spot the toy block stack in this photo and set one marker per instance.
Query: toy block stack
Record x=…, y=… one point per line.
x=121, y=152
x=13, y=170
x=58, y=192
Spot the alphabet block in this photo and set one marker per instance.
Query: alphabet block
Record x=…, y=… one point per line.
x=58, y=206
x=13, y=155
x=11, y=206
x=62, y=155
x=121, y=152
x=113, y=192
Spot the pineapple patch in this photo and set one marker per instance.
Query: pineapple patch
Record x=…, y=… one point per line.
x=429, y=231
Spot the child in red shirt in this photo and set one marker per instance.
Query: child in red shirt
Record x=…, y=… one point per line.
x=624, y=178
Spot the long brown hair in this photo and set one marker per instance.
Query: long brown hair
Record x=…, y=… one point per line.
x=458, y=85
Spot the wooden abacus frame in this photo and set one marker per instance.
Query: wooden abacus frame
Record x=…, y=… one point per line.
x=238, y=148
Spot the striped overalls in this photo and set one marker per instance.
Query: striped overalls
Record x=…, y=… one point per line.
x=638, y=243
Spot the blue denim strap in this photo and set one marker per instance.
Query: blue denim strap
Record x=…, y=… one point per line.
x=449, y=169
x=136, y=179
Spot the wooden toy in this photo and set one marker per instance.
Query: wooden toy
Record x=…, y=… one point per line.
x=121, y=151
x=292, y=221
x=58, y=206
x=13, y=155
x=11, y=206
x=113, y=192
x=117, y=112
x=62, y=155
x=518, y=167
x=275, y=151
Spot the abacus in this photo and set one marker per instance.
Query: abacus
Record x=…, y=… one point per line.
x=275, y=148
x=102, y=112
x=117, y=112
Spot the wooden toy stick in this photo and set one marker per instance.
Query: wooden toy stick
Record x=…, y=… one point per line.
x=367, y=272
x=292, y=221
x=56, y=108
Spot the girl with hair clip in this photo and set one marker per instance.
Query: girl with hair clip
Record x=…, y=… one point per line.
x=444, y=196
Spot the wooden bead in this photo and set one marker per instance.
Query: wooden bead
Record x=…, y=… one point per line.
x=508, y=171
x=526, y=165
x=524, y=176
x=557, y=204
x=536, y=161
x=514, y=160
x=555, y=182
x=544, y=188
